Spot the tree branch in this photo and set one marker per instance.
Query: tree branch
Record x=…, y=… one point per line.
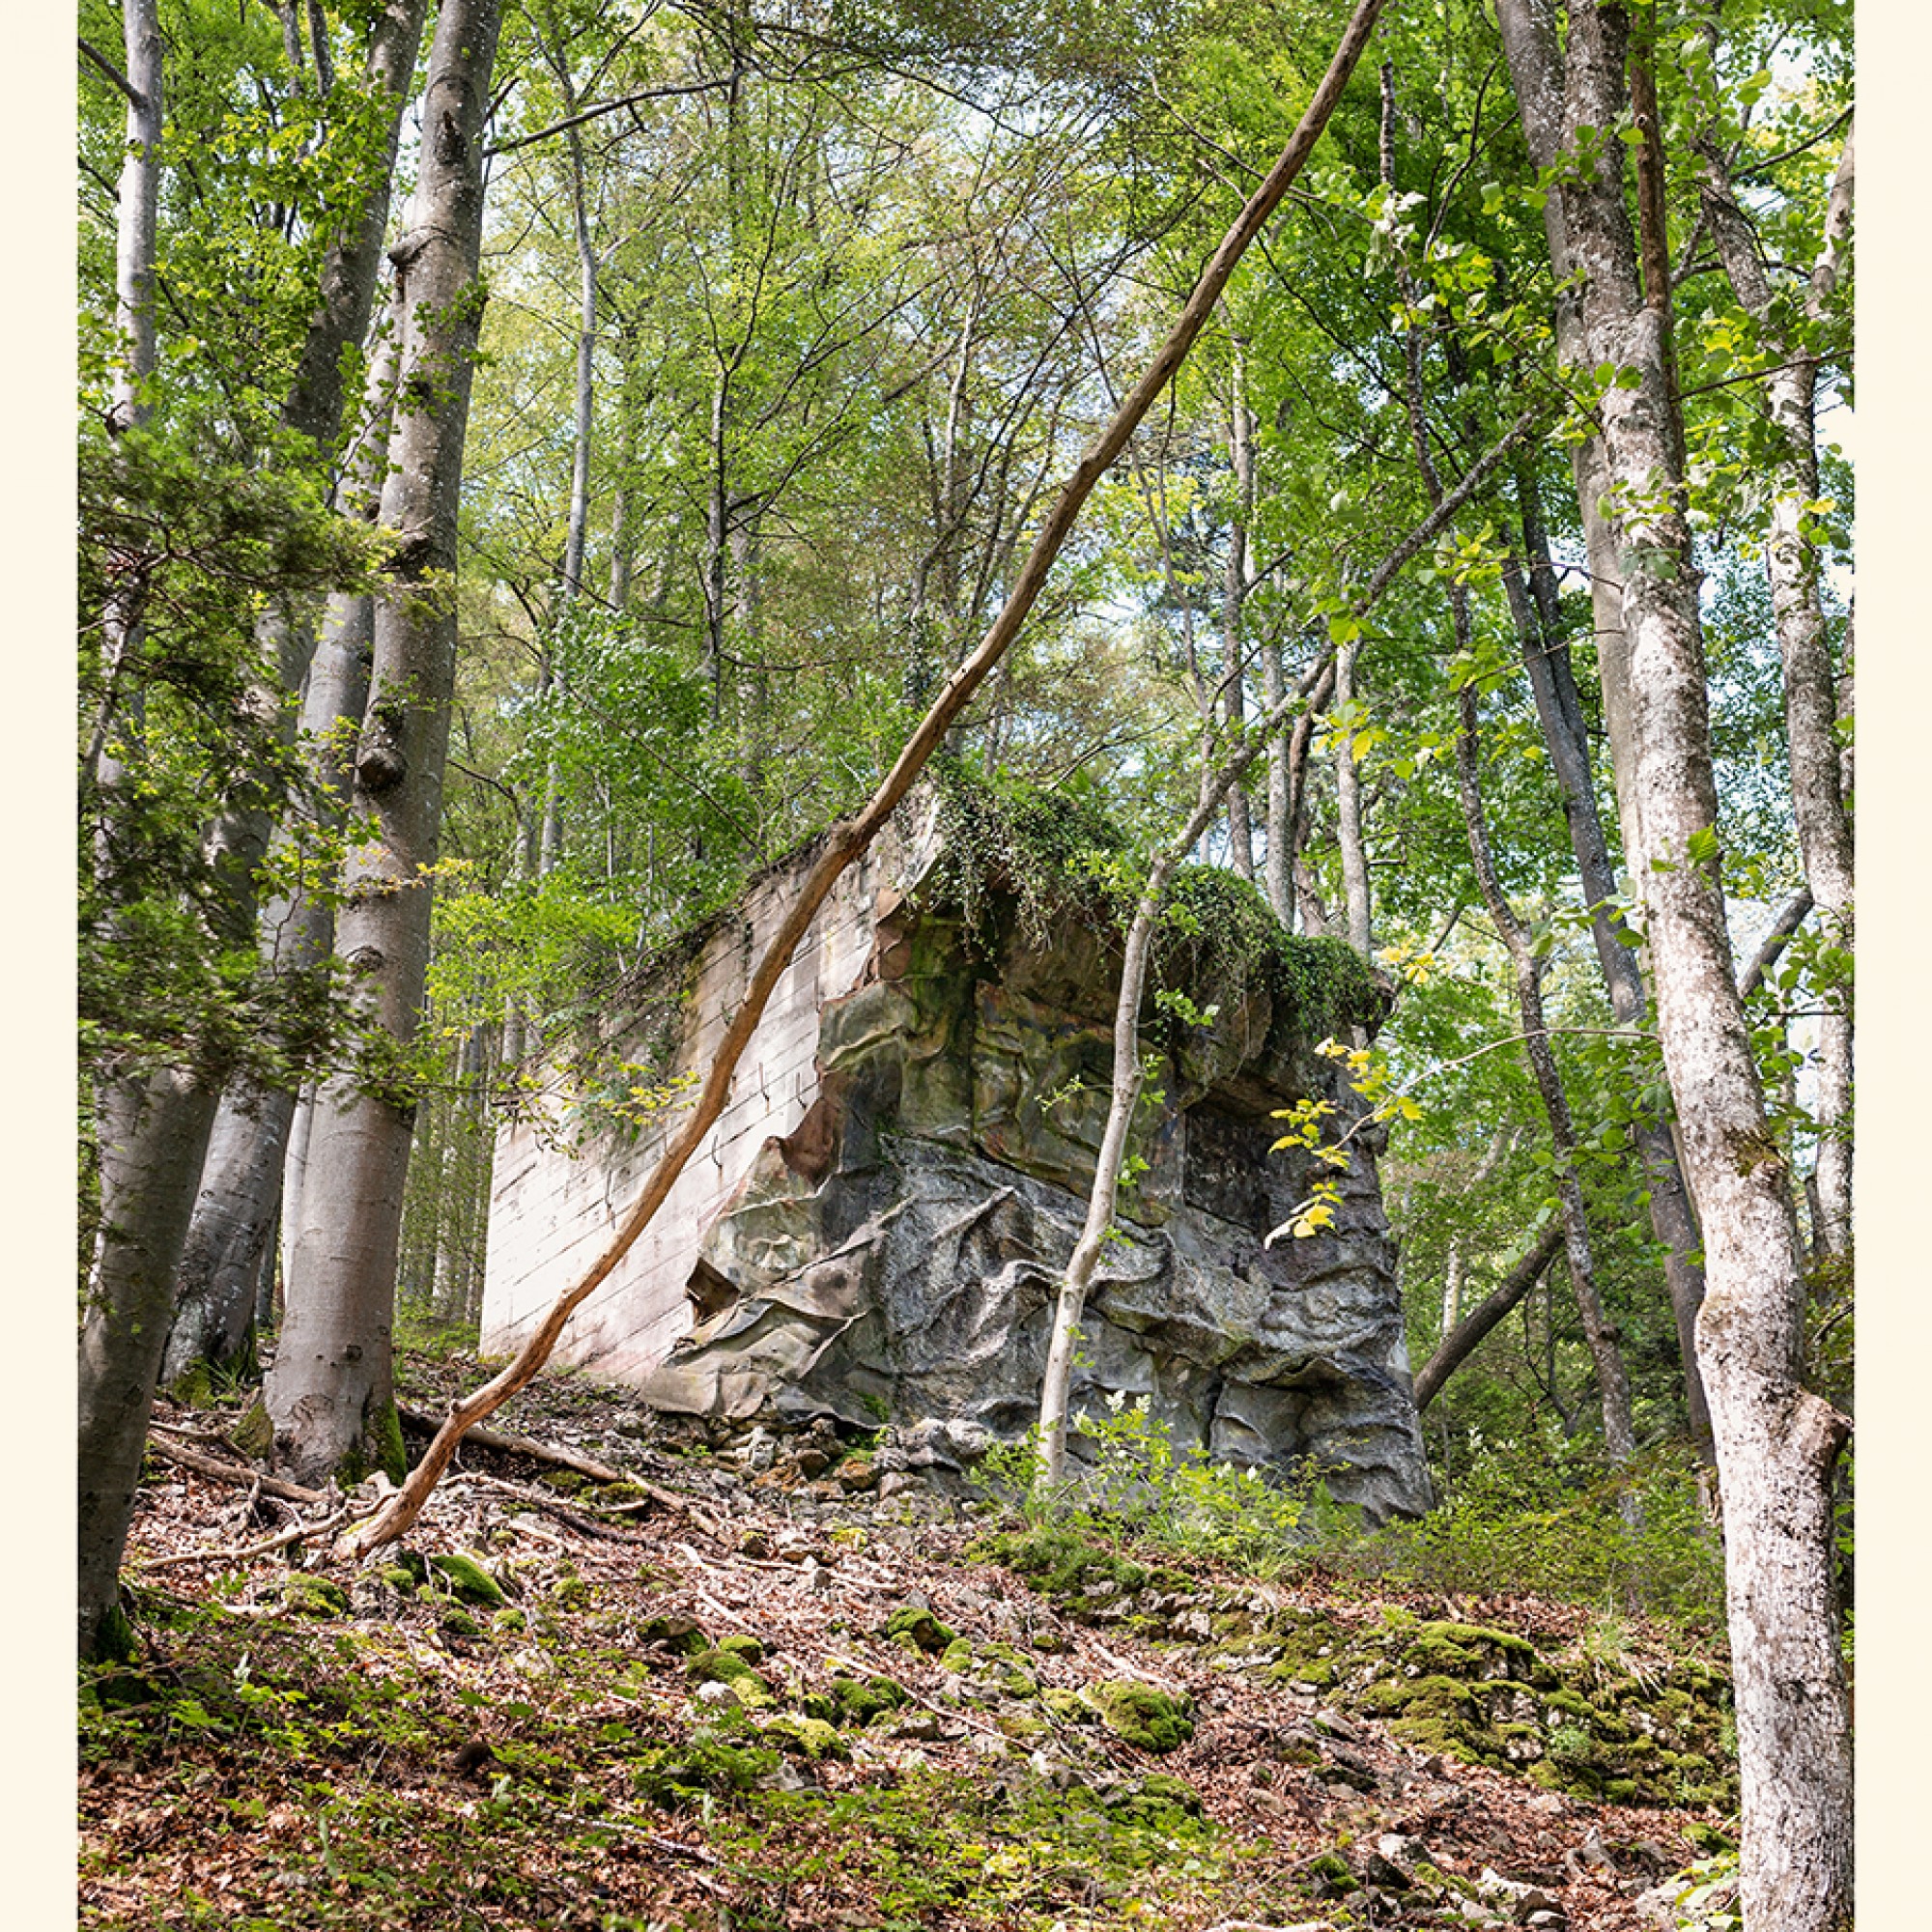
x=1776, y=940
x=137, y=100
x=602, y=108
x=1459, y=1344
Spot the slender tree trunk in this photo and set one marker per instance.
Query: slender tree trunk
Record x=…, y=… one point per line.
x=1277, y=871
x=1502, y=1142
x=847, y=840
x=352, y=268
x=1216, y=784
x=1777, y=1444
x=1810, y=695
x=150, y=1129
x=1547, y=660
x=237, y=1210
x=1055, y=1384
x=1460, y=1343
x=1238, y=581
x=330, y=1397
x=1349, y=813
x=295, y=1171
x=1612, y=1383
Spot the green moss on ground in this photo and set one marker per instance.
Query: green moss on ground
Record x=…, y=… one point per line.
x=1148, y=1719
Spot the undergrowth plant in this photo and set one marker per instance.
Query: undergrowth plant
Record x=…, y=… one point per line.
x=1517, y=1524
x=1131, y=1483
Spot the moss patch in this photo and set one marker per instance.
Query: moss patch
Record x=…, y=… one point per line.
x=1148, y=1719
x=920, y=1630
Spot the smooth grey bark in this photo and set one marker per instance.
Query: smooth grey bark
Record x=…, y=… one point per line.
x=1789, y=396
x=231, y=1234
x=330, y=1396
x=1599, y=1333
x=151, y=1126
x=1530, y=46
x=295, y=1171
x=313, y=410
x=137, y=200
x=1546, y=658
x=1349, y=813
x=1602, y=1338
x=1277, y=865
x=1237, y=581
x=1777, y=1443
x=153, y=1134
x=1502, y=1142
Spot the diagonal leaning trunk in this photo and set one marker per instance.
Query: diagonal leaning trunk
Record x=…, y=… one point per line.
x=330, y=1397
x=846, y=840
x=1777, y=1442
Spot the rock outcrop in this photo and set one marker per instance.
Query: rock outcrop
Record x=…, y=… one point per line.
x=893, y=1250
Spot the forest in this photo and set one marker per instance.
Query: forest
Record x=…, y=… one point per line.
x=1321, y=510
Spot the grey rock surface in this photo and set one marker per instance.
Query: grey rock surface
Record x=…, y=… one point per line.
x=897, y=1256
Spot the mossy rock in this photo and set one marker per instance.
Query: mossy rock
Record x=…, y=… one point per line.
x=1168, y=1794
x=614, y=1493
x=255, y=1434
x=509, y=1621
x=456, y=1621
x=804, y=1735
x=1426, y=1696
x=920, y=1630
x=1141, y=1716
x=314, y=1596
x=995, y=1668
x=467, y=1581
x=569, y=1592
x=1063, y=1565
x=859, y=1701
x=674, y=1634
x=1329, y=1875
x=565, y=1482
x=413, y=1565
x=742, y=1644
x=1068, y=1706
x=727, y=1667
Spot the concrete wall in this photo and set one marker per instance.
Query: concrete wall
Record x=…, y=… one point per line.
x=551, y=1210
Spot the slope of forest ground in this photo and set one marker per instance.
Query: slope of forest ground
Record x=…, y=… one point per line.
x=721, y=1694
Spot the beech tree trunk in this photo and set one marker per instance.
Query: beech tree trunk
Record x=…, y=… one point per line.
x=1547, y=660
x=1777, y=1442
x=1349, y=813
x=1606, y=1353
x=152, y=1128
x=231, y=1234
x=330, y=1397
x=1810, y=695
x=1235, y=586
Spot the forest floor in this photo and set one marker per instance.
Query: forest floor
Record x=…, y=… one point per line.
x=724, y=1696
